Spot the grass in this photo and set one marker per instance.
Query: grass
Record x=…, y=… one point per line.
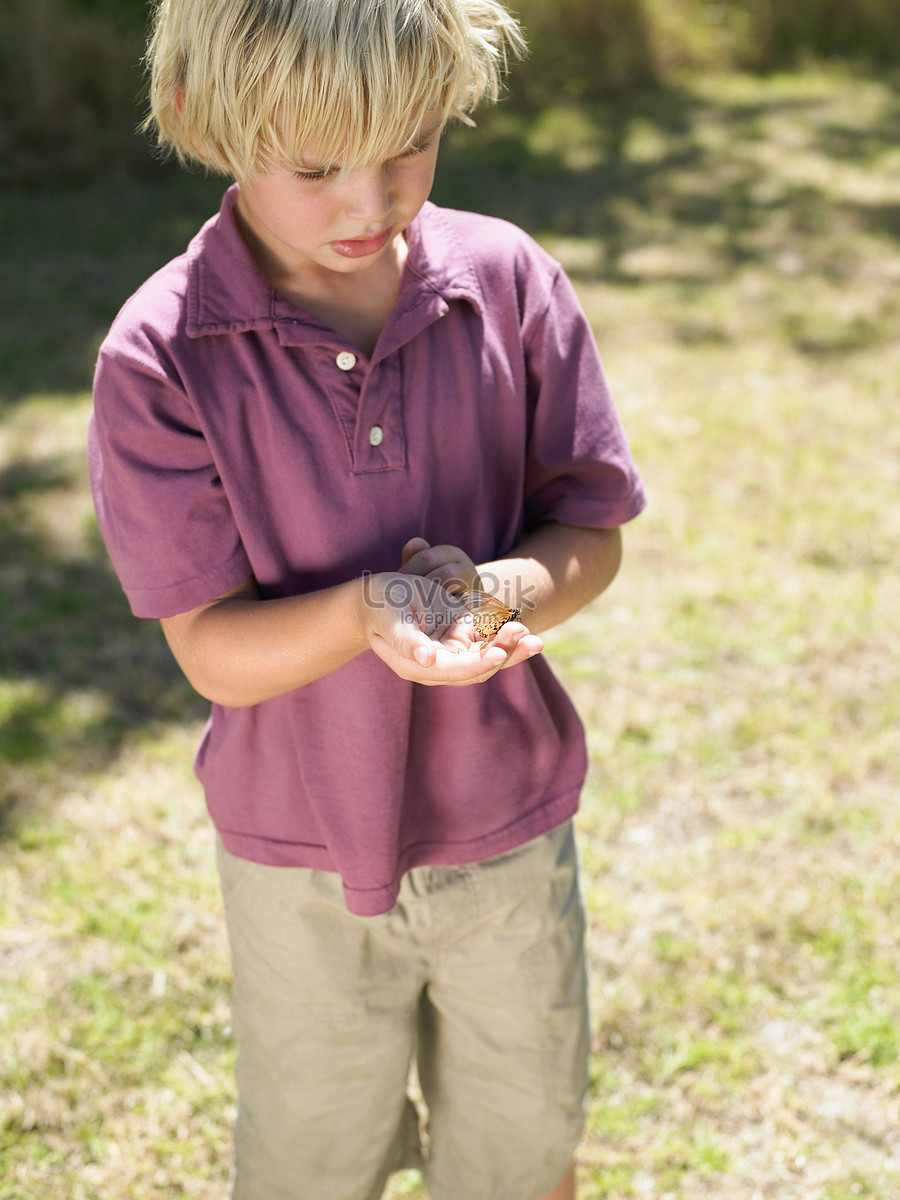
x=736, y=244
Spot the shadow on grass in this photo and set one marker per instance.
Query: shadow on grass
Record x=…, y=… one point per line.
x=621, y=173
x=650, y=168
x=72, y=256
x=78, y=674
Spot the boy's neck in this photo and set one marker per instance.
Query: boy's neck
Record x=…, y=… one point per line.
x=356, y=305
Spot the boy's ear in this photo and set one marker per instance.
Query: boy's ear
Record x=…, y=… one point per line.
x=179, y=100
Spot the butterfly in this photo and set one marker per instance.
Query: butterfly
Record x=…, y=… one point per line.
x=488, y=613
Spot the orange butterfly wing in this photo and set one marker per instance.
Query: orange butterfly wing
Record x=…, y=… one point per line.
x=489, y=614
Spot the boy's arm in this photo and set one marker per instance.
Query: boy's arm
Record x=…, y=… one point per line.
x=240, y=649
x=557, y=570
x=550, y=575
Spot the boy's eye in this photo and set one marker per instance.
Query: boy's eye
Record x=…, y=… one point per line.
x=314, y=176
x=414, y=150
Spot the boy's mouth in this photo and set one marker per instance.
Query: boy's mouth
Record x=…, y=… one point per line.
x=360, y=247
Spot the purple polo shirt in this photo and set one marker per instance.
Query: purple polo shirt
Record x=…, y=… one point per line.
x=235, y=434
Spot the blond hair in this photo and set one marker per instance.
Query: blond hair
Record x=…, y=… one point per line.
x=243, y=86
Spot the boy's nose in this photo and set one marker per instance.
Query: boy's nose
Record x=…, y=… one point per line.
x=370, y=195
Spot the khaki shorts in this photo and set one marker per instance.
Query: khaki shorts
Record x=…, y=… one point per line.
x=476, y=978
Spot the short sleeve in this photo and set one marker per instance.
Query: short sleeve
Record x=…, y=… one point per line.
x=579, y=469
x=162, y=510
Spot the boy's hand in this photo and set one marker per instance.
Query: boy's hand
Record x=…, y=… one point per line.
x=424, y=633
x=447, y=565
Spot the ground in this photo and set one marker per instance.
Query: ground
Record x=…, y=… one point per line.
x=736, y=245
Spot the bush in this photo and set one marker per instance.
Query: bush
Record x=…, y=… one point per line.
x=777, y=34
x=592, y=48
x=586, y=48
x=71, y=79
x=69, y=84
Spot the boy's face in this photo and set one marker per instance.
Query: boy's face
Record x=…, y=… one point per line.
x=308, y=222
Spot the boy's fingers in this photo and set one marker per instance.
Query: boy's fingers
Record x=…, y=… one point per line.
x=418, y=557
x=430, y=557
x=513, y=633
x=465, y=666
x=527, y=647
x=428, y=662
x=425, y=655
x=413, y=546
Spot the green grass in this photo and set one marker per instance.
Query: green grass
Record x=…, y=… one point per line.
x=736, y=244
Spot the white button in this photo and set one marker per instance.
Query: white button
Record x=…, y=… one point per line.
x=376, y=435
x=346, y=361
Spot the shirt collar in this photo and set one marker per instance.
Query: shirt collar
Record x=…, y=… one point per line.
x=228, y=294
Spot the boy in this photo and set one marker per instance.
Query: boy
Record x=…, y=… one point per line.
x=340, y=409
